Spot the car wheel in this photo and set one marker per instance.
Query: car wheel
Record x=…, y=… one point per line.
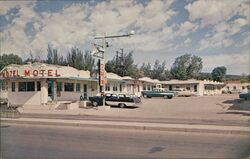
x=170, y=97
x=165, y=97
x=121, y=105
x=95, y=104
x=145, y=96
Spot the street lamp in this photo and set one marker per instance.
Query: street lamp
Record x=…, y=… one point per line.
x=99, y=51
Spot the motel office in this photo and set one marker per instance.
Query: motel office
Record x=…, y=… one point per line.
x=39, y=84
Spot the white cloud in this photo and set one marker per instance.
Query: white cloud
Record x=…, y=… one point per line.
x=76, y=25
x=187, y=41
x=16, y=39
x=154, y=16
x=213, y=12
x=69, y=27
x=221, y=35
x=236, y=62
x=220, y=16
x=186, y=27
x=8, y=5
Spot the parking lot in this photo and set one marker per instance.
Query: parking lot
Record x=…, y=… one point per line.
x=206, y=107
x=219, y=107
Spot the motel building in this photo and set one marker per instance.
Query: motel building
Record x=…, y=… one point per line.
x=237, y=85
x=197, y=87
x=41, y=84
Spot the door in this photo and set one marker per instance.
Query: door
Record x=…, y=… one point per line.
x=51, y=89
x=85, y=91
x=170, y=87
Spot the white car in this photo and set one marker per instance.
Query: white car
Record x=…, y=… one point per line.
x=183, y=92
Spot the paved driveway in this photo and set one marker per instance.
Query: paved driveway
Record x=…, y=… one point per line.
x=205, y=108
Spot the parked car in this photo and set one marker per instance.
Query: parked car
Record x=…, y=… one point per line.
x=235, y=91
x=120, y=100
x=3, y=101
x=158, y=93
x=245, y=96
x=182, y=92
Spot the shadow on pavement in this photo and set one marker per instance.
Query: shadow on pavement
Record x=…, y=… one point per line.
x=156, y=149
x=236, y=112
x=237, y=106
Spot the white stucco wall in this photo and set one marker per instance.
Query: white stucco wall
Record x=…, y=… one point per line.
x=23, y=98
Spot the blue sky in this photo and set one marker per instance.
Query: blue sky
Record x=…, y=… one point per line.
x=217, y=31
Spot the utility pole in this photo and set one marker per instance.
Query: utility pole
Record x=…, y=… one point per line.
x=120, y=62
x=99, y=51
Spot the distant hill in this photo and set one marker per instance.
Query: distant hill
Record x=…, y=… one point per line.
x=233, y=77
x=205, y=75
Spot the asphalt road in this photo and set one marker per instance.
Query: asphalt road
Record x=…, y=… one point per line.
x=52, y=142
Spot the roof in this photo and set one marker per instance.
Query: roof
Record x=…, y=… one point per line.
x=42, y=70
x=147, y=79
x=190, y=81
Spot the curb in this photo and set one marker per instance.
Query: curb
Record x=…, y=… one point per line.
x=135, y=125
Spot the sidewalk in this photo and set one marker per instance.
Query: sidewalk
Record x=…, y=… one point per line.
x=242, y=130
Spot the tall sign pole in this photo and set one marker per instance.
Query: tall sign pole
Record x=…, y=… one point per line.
x=101, y=50
x=102, y=71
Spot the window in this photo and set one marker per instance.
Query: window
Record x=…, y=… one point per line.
x=58, y=86
x=107, y=87
x=30, y=86
x=144, y=87
x=138, y=88
x=120, y=88
x=4, y=85
x=38, y=86
x=177, y=86
x=248, y=87
x=115, y=87
x=234, y=87
x=13, y=86
x=187, y=88
x=148, y=87
x=243, y=87
x=69, y=87
x=227, y=87
x=78, y=87
x=26, y=86
x=22, y=86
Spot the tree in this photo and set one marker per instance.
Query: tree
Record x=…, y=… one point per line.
x=205, y=76
x=78, y=60
x=167, y=75
x=33, y=59
x=110, y=66
x=88, y=62
x=146, y=69
x=186, y=67
x=53, y=57
x=49, y=55
x=7, y=59
x=75, y=58
x=123, y=66
x=218, y=73
x=158, y=70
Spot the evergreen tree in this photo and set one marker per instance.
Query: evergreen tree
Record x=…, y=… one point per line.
x=7, y=59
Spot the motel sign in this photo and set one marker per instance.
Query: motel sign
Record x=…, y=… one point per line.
x=29, y=73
